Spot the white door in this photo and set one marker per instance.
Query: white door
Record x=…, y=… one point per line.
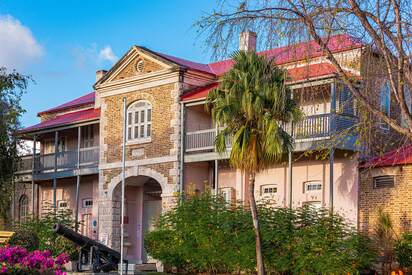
x=151, y=212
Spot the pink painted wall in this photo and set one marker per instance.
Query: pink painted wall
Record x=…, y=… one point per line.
x=345, y=184
x=197, y=176
x=66, y=191
x=197, y=119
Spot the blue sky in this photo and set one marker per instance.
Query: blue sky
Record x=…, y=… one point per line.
x=62, y=43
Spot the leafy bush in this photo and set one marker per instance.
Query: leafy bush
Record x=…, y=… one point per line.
x=48, y=239
x=17, y=260
x=204, y=234
x=403, y=251
x=26, y=239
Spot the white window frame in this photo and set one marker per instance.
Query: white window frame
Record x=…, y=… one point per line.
x=407, y=94
x=385, y=102
x=88, y=136
x=84, y=203
x=226, y=193
x=134, y=122
x=23, y=208
x=61, y=202
x=268, y=187
x=312, y=182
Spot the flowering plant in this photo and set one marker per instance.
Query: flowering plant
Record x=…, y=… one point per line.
x=17, y=260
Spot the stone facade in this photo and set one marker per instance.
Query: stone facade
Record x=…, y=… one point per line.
x=396, y=200
x=156, y=159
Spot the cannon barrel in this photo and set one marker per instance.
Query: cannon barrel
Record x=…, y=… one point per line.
x=83, y=241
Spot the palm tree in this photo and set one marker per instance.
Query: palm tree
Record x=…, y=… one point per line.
x=252, y=103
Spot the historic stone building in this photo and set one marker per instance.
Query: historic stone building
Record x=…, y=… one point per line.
x=169, y=145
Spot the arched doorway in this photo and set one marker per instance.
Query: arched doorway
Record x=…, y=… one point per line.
x=143, y=206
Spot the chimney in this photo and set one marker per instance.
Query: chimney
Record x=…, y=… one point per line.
x=247, y=41
x=100, y=74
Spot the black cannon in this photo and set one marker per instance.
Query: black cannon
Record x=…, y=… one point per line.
x=93, y=256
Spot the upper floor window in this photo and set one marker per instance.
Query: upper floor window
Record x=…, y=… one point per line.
x=88, y=136
x=139, y=121
x=408, y=100
x=385, y=101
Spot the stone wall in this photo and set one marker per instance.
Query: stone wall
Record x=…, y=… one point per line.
x=397, y=200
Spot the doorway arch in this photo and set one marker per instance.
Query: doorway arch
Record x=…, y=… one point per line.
x=143, y=206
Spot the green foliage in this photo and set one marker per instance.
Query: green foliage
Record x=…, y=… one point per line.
x=49, y=240
x=204, y=234
x=12, y=86
x=403, y=251
x=25, y=238
x=252, y=103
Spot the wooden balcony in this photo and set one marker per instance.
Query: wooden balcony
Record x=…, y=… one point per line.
x=44, y=164
x=308, y=132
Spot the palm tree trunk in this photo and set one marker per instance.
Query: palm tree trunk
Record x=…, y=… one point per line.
x=255, y=218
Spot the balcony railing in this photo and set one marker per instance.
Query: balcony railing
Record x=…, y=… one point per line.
x=66, y=160
x=310, y=128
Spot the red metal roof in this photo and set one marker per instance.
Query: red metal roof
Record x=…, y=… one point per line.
x=66, y=119
x=282, y=55
x=198, y=93
x=78, y=102
x=295, y=74
x=400, y=156
x=297, y=52
x=311, y=71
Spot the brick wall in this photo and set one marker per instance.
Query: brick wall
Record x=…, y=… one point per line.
x=397, y=200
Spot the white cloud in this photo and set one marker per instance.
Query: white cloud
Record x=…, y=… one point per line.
x=18, y=46
x=93, y=55
x=107, y=54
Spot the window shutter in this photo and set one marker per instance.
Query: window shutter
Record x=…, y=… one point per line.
x=383, y=182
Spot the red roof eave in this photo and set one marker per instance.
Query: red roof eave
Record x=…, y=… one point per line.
x=400, y=156
x=75, y=103
x=64, y=120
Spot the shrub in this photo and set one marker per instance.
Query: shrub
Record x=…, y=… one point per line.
x=17, y=260
x=204, y=234
x=403, y=251
x=48, y=239
x=25, y=238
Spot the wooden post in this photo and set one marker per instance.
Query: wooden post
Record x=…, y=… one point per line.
x=290, y=155
x=331, y=164
x=76, y=225
x=33, y=167
x=216, y=179
x=332, y=150
x=56, y=151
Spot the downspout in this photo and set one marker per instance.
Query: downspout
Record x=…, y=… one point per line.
x=182, y=150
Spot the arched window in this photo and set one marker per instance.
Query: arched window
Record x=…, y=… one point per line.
x=139, y=121
x=385, y=101
x=23, y=208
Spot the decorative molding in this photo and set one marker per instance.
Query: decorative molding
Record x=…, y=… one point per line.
x=131, y=163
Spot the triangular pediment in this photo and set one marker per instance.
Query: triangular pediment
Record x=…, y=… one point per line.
x=136, y=62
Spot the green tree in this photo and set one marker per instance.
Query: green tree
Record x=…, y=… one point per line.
x=12, y=87
x=252, y=103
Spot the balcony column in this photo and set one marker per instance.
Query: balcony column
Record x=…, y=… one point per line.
x=331, y=187
x=332, y=149
x=332, y=107
x=56, y=151
x=182, y=148
x=290, y=155
x=76, y=224
x=33, y=167
x=216, y=166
